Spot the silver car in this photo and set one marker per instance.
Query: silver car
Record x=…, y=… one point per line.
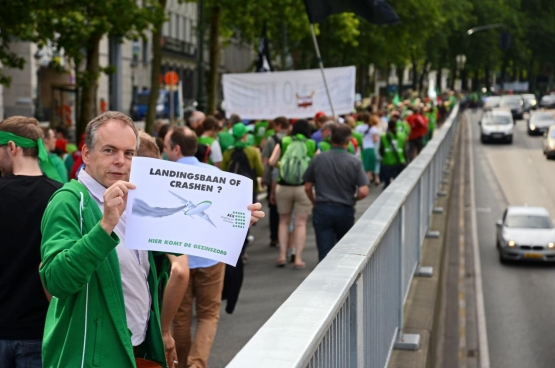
x=540, y=121
x=526, y=233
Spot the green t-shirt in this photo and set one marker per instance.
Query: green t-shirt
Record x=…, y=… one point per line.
x=59, y=166
x=390, y=158
x=226, y=140
x=403, y=127
x=260, y=132
x=359, y=137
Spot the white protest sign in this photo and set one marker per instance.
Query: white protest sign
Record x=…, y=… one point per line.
x=293, y=94
x=186, y=209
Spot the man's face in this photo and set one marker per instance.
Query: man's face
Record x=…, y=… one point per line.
x=110, y=158
x=50, y=141
x=326, y=132
x=6, y=163
x=173, y=153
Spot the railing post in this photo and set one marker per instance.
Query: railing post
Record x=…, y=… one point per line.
x=404, y=341
x=356, y=323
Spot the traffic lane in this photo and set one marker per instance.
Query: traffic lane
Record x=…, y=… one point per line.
x=519, y=298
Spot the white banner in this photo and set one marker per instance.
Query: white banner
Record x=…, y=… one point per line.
x=185, y=209
x=294, y=94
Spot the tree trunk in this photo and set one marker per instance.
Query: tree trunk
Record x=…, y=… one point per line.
x=439, y=77
x=89, y=85
x=421, y=81
x=155, y=66
x=488, y=79
x=215, y=56
x=414, y=74
x=476, y=81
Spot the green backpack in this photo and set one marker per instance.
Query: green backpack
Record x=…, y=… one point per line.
x=294, y=162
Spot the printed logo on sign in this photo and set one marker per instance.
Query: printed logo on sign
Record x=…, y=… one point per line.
x=304, y=100
x=239, y=219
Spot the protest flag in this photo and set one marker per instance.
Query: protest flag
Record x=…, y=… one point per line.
x=374, y=11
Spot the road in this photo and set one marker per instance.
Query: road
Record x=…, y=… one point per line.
x=519, y=299
x=265, y=288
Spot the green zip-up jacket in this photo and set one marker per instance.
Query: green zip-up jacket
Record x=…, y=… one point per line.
x=86, y=325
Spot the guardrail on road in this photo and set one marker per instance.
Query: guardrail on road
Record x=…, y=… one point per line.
x=349, y=310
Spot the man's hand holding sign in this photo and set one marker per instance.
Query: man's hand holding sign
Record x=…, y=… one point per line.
x=188, y=210
x=115, y=200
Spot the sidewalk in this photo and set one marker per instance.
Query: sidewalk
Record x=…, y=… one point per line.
x=265, y=287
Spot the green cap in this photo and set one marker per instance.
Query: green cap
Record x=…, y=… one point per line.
x=239, y=130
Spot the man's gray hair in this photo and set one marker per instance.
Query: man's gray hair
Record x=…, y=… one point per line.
x=94, y=124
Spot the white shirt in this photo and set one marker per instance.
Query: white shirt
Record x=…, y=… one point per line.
x=134, y=267
x=368, y=133
x=216, y=151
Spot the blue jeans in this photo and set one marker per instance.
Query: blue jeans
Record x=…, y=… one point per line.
x=331, y=221
x=20, y=353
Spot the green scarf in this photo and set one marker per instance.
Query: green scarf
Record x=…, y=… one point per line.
x=45, y=164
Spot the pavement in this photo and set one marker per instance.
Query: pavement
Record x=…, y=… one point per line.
x=265, y=287
x=518, y=298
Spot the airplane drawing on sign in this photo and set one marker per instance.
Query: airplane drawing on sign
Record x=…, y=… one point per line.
x=304, y=100
x=190, y=209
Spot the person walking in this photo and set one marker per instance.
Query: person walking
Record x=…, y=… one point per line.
x=371, y=137
x=418, y=130
x=281, y=128
x=293, y=155
x=209, y=137
x=392, y=150
x=339, y=181
x=24, y=195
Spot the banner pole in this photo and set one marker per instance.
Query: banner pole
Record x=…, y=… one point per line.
x=321, y=64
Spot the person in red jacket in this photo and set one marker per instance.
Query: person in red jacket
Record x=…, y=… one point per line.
x=418, y=129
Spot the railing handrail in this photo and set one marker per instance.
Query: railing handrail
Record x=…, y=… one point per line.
x=292, y=334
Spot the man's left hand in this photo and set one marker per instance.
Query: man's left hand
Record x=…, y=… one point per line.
x=171, y=353
x=256, y=214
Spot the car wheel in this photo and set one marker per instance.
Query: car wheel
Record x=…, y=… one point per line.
x=483, y=138
x=510, y=140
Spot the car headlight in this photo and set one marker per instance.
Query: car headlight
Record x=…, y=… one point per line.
x=551, y=245
x=552, y=145
x=533, y=102
x=511, y=244
x=532, y=127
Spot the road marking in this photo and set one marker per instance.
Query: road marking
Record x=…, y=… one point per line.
x=480, y=309
x=462, y=261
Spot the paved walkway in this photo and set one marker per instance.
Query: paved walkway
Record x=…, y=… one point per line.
x=265, y=288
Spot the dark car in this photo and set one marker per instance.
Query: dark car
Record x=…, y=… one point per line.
x=515, y=104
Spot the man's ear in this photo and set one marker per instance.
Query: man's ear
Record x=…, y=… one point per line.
x=86, y=153
x=12, y=149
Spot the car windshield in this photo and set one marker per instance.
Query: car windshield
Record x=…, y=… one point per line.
x=497, y=120
x=548, y=98
x=542, y=117
x=529, y=97
x=529, y=222
x=513, y=101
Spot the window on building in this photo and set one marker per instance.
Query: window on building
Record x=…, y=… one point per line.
x=166, y=28
x=176, y=26
x=186, y=30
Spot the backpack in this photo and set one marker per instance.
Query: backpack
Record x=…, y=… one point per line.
x=240, y=165
x=294, y=162
x=203, y=152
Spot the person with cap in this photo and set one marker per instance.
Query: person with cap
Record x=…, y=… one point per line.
x=319, y=119
x=392, y=150
x=27, y=183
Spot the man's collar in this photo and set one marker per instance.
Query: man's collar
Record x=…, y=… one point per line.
x=94, y=187
x=190, y=160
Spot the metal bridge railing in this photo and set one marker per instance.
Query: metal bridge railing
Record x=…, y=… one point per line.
x=349, y=310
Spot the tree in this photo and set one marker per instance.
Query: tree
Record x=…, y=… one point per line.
x=77, y=27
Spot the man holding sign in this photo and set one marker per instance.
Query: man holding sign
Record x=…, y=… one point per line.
x=104, y=310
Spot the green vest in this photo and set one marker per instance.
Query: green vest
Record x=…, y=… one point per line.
x=390, y=158
x=325, y=145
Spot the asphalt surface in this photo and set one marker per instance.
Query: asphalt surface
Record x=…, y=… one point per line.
x=265, y=287
x=519, y=298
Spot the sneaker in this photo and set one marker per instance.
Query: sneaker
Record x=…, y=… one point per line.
x=291, y=255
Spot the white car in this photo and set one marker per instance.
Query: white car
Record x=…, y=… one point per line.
x=540, y=121
x=497, y=125
x=526, y=233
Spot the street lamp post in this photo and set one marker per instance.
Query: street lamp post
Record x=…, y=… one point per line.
x=38, y=106
x=461, y=60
